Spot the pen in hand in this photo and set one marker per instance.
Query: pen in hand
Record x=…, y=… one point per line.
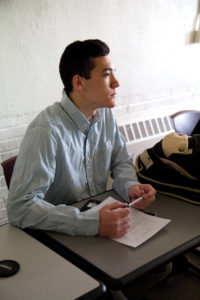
x=135, y=201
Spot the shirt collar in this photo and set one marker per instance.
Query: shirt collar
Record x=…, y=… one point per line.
x=76, y=115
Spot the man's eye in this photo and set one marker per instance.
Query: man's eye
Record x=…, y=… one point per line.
x=106, y=74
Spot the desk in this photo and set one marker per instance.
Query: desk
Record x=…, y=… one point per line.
x=43, y=274
x=116, y=264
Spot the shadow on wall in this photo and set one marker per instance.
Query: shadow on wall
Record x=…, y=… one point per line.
x=195, y=34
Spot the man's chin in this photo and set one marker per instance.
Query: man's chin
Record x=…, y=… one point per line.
x=113, y=103
x=110, y=104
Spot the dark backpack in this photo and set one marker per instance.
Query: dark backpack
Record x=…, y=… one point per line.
x=172, y=166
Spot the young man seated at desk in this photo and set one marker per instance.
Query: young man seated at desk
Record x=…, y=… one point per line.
x=70, y=148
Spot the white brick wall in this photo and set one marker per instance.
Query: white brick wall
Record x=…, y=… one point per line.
x=11, y=133
x=3, y=214
x=164, y=102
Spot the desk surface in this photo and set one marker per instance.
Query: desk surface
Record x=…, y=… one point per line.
x=43, y=274
x=117, y=264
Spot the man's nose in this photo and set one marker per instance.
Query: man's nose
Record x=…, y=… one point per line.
x=115, y=82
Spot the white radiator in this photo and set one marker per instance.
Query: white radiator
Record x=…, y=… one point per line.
x=144, y=134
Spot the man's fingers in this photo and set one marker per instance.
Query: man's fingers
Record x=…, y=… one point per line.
x=116, y=204
x=114, y=220
x=144, y=203
x=125, y=220
x=118, y=208
x=119, y=233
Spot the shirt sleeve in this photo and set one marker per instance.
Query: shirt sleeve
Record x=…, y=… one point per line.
x=33, y=174
x=122, y=168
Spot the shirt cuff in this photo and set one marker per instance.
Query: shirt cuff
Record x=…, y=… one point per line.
x=87, y=223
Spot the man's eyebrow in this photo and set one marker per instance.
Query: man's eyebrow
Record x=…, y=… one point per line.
x=109, y=69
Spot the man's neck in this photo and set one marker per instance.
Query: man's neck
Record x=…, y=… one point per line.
x=82, y=105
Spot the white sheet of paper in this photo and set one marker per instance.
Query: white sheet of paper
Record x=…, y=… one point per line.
x=142, y=226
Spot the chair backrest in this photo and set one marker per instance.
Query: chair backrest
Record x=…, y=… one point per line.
x=8, y=166
x=186, y=121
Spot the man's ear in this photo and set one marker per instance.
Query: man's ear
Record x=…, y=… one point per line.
x=77, y=82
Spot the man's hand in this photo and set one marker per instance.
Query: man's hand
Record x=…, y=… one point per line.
x=114, y=220
x=145, y=190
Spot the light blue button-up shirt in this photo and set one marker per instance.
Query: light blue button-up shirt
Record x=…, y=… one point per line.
x=64, y=158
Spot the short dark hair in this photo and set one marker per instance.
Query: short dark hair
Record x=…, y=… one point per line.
x=77, y=58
